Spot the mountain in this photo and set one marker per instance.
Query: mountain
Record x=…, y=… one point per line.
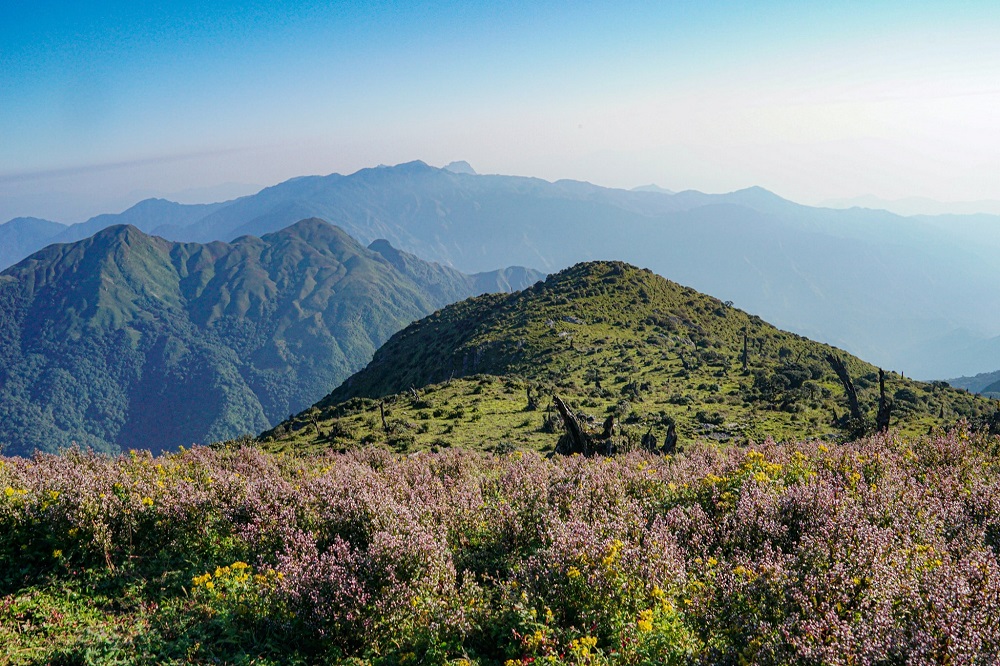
x=875, y=283
x=125, y=340
x=652, y=187
x=23, y=235
x=152, y=216
x=460, y=166
x=914, y=294
x=918, y=205
x=609, y=339
x=985, y=383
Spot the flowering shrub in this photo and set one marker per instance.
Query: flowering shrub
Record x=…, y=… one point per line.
x=882, y=551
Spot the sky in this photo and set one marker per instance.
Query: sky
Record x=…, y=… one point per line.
x=104, y=103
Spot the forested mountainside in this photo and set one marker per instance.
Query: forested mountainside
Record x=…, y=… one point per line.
x=128, y=340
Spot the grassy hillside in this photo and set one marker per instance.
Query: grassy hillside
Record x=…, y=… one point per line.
x=610, y=340
x=128, y=340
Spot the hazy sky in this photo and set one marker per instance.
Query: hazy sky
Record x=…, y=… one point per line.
x=104, y=102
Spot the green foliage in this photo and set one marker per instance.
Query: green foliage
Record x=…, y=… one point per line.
x=125, y=340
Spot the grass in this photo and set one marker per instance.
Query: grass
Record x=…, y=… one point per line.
x=611, y=340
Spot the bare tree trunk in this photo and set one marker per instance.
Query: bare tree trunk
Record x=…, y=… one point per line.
x=649, y=441
x=746, y=349
x=840, y=368
x=884, y=405
x=609, y=427
x=670, y=441
x=580, y=442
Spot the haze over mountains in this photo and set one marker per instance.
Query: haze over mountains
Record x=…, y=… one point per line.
x=916, y=295
x=985, y=383
x=918, y=205
x=132, y=341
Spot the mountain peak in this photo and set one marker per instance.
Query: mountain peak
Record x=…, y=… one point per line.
x=757, y=192
x=27, y=221
x=415, y=165
x=308, y=224
x=652, y=187
x=316, y=232
x=388, y=252
x=460, y=166
x=122, y=233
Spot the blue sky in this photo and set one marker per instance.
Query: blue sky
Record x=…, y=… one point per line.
x=105, y=102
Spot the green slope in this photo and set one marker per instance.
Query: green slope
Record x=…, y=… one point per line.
x=610, y=339
x=128, y=340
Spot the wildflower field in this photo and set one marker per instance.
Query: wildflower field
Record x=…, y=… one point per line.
x=882, y=551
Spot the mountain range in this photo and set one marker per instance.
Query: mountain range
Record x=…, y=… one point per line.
x=912, y=206
x=985, y=383
x=127, y=340
x=635, y=359
x=917, y=295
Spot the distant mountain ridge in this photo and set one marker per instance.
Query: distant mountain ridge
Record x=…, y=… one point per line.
x=23, y=235
x=985, y=383
x=914, y=294
x=918, y=205
x=126, y=340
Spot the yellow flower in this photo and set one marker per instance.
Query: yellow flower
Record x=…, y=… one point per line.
x=645, y=621
x=57, y=554
x=583, y=646
x=573, y=572
x=147, y=501
x=209, y=585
